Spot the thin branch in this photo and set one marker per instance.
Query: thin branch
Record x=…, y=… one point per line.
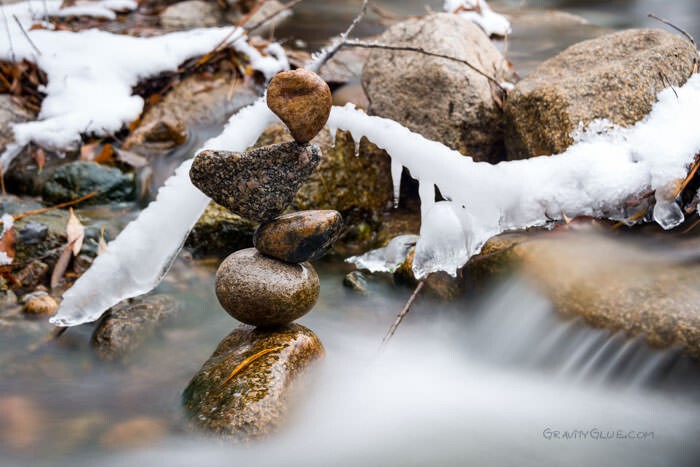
x=51, y=208
x=677, y=28
x=26, y=36
x=328, y=53
x=403, y=313
x=9, y=34
x=267, y=19
x=402, y=48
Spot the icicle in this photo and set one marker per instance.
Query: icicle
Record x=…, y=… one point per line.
x=426, y=192
x=396, y=170
x=139, y=257
x=332, y=133
x=357, y=140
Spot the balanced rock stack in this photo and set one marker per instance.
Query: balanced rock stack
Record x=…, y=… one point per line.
x=273, y=284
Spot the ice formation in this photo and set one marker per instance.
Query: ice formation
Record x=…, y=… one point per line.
x=594, y=177
x=480, y=13
x=91, y=74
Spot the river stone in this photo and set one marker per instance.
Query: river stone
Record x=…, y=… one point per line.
x=302, y=100
x=126, y=326
x=300, y=236
x=263, y=291
x=79, y=178
x=258, y=184
x=441, y=99
x=254, y=402
x=218, y=232
x=615, y=77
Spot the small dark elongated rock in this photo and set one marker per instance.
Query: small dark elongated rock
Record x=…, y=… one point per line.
x=263, y=291
x=302, y=100
x=242, y=390
x=258, y=184
x=300, y=236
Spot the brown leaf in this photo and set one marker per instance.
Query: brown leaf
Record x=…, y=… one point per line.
x=61, y=265
x=131, y=158
x=39, y=158
x=106, y=154
x=75, y=232
x=88, y=152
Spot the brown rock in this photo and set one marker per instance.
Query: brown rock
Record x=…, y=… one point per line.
x=134, y=433
x=22, y=423
x=258, y=184
x=302, y=100
x=441, y=99
x=263, y=291
x=40, y=306
x=300, y=236
x=243, y=389
x=615, y=76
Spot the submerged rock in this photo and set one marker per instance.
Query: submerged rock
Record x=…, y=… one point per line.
x=126, y=326
x=137, y=432
x=39, y=305
x=356, y=281
x=441, y=99
x=244, y=387
x=614, y=77
x=263, y=291
x=219, y=232
x=300, y=236
x=79, y=178
x=618, y=286
x=302, y=100
x=258, y=184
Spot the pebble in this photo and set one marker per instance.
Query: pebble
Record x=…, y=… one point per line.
x=300, y=236
x=259, y=184
x=263, y=291
x=302, y=100
x=40, y=305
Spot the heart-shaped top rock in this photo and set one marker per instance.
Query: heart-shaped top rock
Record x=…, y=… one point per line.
x=302, y=100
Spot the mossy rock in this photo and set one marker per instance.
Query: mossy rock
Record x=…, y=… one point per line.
x=79, y=178
x=219, y=232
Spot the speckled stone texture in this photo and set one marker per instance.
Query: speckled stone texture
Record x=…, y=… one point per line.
x=264, y=291
x=258, y=184
x=300, y=236
x=302, y=100
x=254, y=402
x=615, y=77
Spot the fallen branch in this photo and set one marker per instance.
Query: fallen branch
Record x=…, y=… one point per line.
x=420, y=50
x=51, y=208
x=403, y=313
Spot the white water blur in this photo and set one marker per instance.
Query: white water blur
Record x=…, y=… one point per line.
x=486, y=386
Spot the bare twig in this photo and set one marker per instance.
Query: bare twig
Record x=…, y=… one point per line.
x=268, y=18
x=7, y=29
x=51, y=208
x=328, y=53
x=420, y=50
x=403, y=312
x=677, y=28
x=26, y=36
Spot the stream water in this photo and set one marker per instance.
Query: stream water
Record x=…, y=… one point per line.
x=497, y=379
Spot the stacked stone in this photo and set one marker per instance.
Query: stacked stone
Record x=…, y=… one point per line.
x=273, y=284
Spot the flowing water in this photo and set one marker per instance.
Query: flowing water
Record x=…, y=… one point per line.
x=498, y=379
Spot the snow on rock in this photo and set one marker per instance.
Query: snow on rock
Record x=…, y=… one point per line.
x=136, y=261
x=7, y=223
x=31, y=11
x=480, y=13
x=594, y=177
x=91, y=74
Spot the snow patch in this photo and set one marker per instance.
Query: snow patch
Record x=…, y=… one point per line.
x=480, y=13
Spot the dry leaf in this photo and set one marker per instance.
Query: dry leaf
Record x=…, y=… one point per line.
x=106, y=155
x=75, y=233
x=88, y=152
x=101, y=244
x=39, y=158
x=131, y=158
x=7, y=246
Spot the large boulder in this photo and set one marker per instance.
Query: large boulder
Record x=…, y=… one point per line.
x=615, y=77
x=243, y=389
x=441, y=99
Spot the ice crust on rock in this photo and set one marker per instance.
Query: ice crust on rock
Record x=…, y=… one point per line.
x=480, y=13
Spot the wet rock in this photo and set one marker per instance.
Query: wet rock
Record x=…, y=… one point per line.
x=351, y=93
x=356, y=281
x=40, y=305
x=33, y=274
x=10, y=113
x=263, y=291
x=438, y=284
x=359, y=188
x=619, y=286
x=191, y=14
x=258, y=184
x=345, y=66
x=441, y=99
x=615, y=77
x=33, y=233
x=302, y=100
x=244, y=387
x=200, y=100
x=79, y=178
x=300, y=236
x=219, y=232
x=137, y=432
x=126, y=326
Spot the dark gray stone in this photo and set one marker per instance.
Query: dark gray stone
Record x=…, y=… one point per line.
x=258, y=184
x=33, y=233
x=80, y=178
